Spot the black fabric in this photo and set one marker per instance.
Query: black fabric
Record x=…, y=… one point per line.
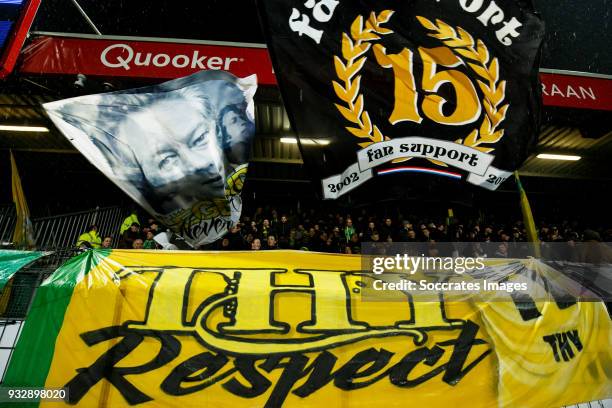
x=306, y=71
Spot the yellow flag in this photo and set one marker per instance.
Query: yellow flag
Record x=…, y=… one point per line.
x=289, y=329
x=24, y=233
x=532, y=235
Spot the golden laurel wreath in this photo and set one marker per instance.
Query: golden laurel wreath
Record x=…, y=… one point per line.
x=359, y=41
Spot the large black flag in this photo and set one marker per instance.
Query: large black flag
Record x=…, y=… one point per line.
x=448, y=87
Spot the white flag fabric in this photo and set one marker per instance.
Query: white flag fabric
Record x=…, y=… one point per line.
x=180, y=149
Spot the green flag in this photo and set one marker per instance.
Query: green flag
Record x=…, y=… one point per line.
x=12, y=261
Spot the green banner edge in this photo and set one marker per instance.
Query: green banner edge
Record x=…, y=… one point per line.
x=14, y=261
x=31, y=360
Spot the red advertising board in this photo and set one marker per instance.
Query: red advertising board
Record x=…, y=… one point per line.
x=576, y=90
x=166, y=58
x=143, y=57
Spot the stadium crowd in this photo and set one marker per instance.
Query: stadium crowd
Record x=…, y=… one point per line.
x=346, y=232
x=336, y=232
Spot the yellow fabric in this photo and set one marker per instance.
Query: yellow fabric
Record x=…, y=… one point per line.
x=127, y=223
x=24, y=233
x=225, y=316
x=532, y=235
x=92, y=237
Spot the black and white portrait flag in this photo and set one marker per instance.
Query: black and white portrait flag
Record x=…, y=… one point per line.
x=180, y=149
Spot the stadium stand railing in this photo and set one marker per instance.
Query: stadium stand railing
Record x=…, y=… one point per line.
x=7, y=222
x=62, y=231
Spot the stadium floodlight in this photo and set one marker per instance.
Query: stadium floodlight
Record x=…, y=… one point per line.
x=548, y=156
x=18, y=128
x=293, y=140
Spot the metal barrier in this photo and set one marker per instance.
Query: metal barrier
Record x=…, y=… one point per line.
x=10, y=329
x=62, y=231
x=7, y=223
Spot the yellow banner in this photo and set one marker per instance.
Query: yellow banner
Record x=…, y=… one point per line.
x=284, y=328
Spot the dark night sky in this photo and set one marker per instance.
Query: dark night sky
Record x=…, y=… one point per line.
x=577, y=38
x=204, y=20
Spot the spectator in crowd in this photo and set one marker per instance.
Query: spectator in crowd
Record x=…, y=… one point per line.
x=274, y=219
x=441, y=232
x=334, y=242
x=258, y=216
x=387, y=232
x=256, y=244
x=89, y=239
x=225, y=244
x=253, y=228
x=129, y=220
x=283, y=230
x=235, y=238
x=271, y=242
x=369, y=231
x=353, y=246
x=138, y=243
x=266, y=229
x=107, y=242
x=149, y=242
x=130, y=235
x=592, y=251
x=425, y=233
x=296, y=236
x=402, y=235
x=248, y=240
x=349, y=230
x=502, y=250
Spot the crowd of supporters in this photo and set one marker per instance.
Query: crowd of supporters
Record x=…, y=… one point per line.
x=345, y=232
x=131, y=235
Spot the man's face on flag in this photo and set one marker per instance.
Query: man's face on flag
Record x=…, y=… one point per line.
x=176, y=146
x=163, y=145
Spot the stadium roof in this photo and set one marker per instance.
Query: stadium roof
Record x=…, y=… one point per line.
x=571, y=45
x=272, y=124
